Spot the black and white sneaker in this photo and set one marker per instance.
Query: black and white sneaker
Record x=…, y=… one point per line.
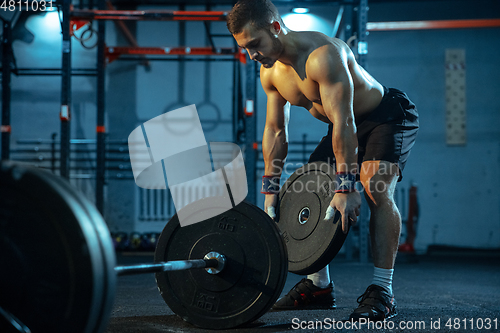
x=305, y=296
x=375, y=304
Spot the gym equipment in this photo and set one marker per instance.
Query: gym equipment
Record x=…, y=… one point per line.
x=312, y=243
x=251, y=281
x=59, y=261
x=56, y=253
x=61, y=274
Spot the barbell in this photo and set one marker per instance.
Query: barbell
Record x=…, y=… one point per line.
x=61, y=268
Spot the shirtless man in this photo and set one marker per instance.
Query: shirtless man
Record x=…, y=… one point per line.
x=371, y=132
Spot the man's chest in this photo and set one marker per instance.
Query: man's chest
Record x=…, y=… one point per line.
x=300, y=92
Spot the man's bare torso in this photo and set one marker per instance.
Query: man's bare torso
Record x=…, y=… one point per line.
x=294, y=85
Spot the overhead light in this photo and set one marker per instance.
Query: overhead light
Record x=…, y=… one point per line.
x=308, y=22
x=300, y=10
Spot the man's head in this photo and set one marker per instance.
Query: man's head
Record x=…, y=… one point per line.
x=256, y=25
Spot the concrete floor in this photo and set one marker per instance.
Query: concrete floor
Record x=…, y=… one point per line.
x=462, y=286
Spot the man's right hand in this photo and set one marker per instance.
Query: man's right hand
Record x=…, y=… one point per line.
x=348, y=204
x=270, y=204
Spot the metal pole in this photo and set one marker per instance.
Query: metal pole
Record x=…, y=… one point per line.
x=101, y=110
x=345, y=32
x=65, y=114
x=177, y=265
x=347, y=18
x=362, y=33
x=251, y=130
x=235, y=102
x=238, y=114
x=338, y=20
x=53, y=153
x=14, y=322
x=6, y=93
x=362, y=51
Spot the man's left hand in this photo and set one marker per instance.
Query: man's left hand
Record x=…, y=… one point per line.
x=348, y=205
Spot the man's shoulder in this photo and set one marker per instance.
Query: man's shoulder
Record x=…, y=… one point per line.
x=328, y=55
x=328, y=47
x=315, y=40
x=266, y=75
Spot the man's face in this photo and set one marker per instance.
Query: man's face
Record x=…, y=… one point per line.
x=261, y=45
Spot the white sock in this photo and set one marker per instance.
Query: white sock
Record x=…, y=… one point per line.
x=383, y=277
x=321, y=278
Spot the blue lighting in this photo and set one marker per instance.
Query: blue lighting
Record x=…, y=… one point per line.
x=300, y=10
x=307, y=22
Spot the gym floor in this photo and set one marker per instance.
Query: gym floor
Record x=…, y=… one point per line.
x=455, y=288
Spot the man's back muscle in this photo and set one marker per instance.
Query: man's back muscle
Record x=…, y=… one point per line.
x=294, y=85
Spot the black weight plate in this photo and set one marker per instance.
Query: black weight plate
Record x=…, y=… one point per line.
x=251, y=281
x=106, y=273
x=283, y=245
x=57, y=278
x=311, y=242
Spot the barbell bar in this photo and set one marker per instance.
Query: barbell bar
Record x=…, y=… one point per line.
x=213, y=265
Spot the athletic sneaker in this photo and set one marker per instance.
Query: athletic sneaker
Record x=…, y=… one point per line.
x=305, y=295
x=375, y=304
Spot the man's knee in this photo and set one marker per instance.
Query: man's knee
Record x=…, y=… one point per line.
x=379, y=179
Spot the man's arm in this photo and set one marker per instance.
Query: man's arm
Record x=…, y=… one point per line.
x=274, y=140
x=329, y=69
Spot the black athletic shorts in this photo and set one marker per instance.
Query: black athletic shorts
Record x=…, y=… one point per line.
x=387, y=133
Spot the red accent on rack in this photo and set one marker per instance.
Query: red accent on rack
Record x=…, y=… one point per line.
x=423, y=25
x=151, y=15
x=5, y=129
x=113, y=53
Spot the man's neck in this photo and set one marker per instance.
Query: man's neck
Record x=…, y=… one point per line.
x=292, y=49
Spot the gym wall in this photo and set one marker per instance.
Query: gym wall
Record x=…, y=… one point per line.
x=457, y=185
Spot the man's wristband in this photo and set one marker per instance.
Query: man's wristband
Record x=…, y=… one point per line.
x=270, y=185
x=346, y=182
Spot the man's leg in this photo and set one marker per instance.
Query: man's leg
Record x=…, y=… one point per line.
x=379, y=179
x=316, y=291
x=321, y=278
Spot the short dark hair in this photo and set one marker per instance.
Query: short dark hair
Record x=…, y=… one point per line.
x=260, y=13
